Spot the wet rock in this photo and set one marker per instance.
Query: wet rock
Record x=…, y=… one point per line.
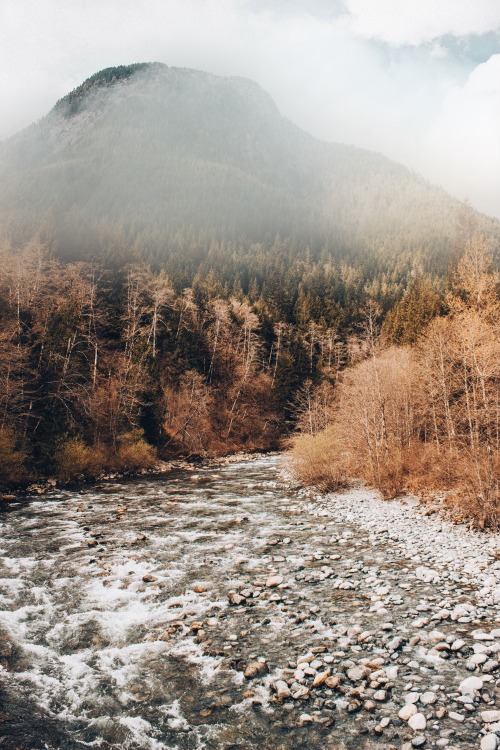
x=255, y=669
x=281, y=689
x=200, y=588
x=274, y=581
x=358, y=673
x=149, y=578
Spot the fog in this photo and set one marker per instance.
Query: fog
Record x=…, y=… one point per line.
x=419, y=83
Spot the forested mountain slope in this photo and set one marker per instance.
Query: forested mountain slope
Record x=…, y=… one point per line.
x=140, y=153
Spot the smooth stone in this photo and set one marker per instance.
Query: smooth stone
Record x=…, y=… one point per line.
x=412, y=698
x=470, y=685
x=321, y=677
x=407, y=711
x=255, y=669
x=490, y=666
x=428, y=698
x=489, y=742
x=274, y=581
x=417, y=722
x=490, y=717
x=419, y=741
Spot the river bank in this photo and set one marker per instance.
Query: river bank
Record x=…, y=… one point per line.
x=160, y=469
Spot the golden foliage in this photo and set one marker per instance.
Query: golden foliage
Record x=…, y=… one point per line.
x=75, y=460
x=427, y=417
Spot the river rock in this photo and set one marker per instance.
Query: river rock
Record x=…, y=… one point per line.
x=428, y=698
x=417, y=722
x=321, y=677
x=282, y=689
x=407, y=711
x=470, y=685
x=489, y=742
x=427, y=575
x=235, y=598
x=255, y=669
x=274, y=581
x=358, y=673
x=490, y=717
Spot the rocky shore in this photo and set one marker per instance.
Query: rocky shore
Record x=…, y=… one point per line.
x=422, y=664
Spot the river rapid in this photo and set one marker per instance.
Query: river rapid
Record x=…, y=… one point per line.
x=198, y=610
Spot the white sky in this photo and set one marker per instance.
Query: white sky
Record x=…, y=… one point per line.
x=418, y=80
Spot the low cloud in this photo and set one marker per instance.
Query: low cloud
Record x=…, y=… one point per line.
x=400, y=22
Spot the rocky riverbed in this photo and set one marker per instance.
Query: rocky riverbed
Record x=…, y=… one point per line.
x=227, y=610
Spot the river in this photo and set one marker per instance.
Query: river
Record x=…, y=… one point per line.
x=116, y=630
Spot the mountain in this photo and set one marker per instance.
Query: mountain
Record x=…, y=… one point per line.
x=139, y=153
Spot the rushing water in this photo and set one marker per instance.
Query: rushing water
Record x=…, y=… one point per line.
x=99, y=630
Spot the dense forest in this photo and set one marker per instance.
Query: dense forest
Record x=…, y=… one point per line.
x=106, y=365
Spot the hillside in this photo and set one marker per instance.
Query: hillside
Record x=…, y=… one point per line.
x=138, y=153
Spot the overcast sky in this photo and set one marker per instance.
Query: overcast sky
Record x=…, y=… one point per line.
x=418, y=80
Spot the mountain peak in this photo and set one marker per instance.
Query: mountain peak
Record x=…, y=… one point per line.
x=71, y=103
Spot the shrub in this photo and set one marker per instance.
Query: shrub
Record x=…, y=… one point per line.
x=133, y=453
x=319, y=460
x=75, y=460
